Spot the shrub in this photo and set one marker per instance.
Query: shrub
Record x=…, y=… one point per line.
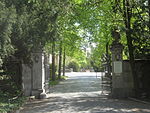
x=73, y=65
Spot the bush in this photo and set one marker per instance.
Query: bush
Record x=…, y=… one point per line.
x=50, y=67
x=73, y=65
x=10, y=95
x=8, y=104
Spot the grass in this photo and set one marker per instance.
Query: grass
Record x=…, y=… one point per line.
x=64, y=77
x=53, y=83
x=9, y=104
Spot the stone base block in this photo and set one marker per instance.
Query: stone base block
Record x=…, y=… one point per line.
x=37, y=93
x=43, y=96
x=46, y=87
x=122, y=92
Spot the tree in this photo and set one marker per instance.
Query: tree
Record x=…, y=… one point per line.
x=53, y=62
x=64, y=61
x=7, y=19
x=31, y=25
x=74, y=25
x=140, y=21
x=74, y=66
x=127, y=19
x=60, y=60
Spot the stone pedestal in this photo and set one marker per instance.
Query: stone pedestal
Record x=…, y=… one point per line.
x=117, y=79
x=36, y=77
x=38, y=74
x=121, y=82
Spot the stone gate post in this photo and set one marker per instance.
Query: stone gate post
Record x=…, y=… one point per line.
x=122, y=82
x=38, y=75
x=117, y=67
x=47, y=72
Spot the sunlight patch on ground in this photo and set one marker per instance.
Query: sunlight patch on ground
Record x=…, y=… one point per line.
x=83, y=93
x=79, y=94
x=135, y=110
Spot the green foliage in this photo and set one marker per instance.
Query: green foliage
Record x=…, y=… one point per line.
x=7, y=18
x=95, y=59
x=53, y=83
x=89, y=22
x=74, y=65
x=10, y=96
x=33, y=23
x=8, y=104
x=141, y=29
x=27, y=25
x=64, y=77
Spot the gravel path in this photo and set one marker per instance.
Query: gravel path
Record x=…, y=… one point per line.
x=83, y=93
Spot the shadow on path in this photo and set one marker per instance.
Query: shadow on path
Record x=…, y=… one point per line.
x=82, y=94
x=85, y=104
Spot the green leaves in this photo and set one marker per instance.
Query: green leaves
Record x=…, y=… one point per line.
x=7, y=19
x=78, y=1
x=75, y=22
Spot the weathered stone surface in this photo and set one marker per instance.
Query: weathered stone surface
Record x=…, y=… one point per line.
x=43, y=96
x=27, y=79
x=38, y=73
x=36, y=78
x=122, y=81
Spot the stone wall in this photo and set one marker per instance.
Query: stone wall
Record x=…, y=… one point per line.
x=27, y=79
x=122, y=83
x=142, y=68
x=143, y=73
x=127, y=78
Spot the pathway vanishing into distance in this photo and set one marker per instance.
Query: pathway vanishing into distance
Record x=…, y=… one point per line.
x=83, y=93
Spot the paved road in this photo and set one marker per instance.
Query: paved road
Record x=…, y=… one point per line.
x=83, y=93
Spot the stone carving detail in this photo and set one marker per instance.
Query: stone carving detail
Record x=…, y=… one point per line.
x=36, y=58
x=116, y=47
x=116, y=35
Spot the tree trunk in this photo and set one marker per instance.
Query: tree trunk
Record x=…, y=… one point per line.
x=53, y=47
x=127, y=20
x=107, y=58
x=53, y=61
x=149, y=14
x=64, y=60
x=60, y=60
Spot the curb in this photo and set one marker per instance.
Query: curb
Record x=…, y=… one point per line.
x=137, y=100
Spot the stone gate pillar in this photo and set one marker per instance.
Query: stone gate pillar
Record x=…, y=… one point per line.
x=122, y=81
x=117, y=66
x=47, y=72
x=38, y=75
